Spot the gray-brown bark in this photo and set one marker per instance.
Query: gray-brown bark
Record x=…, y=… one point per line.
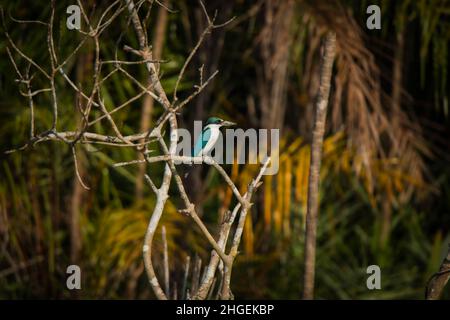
x=316, y=157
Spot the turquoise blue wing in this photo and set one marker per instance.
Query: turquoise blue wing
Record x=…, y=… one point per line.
x=202, y=140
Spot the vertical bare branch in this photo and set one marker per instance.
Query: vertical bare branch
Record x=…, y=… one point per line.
x=166, y=261
x=316, y=157
x=147, y=106
x=53, y=63
x=162, y=194
x=226, y=290
x=75, y=162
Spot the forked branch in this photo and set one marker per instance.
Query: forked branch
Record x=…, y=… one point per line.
x=85, y=133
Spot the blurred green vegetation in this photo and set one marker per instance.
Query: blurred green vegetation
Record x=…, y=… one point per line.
x=385, y=191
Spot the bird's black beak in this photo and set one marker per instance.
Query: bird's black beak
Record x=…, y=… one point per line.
x=228, y=124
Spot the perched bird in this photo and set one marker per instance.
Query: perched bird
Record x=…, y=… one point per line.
x=209, y=135
x=208, y=138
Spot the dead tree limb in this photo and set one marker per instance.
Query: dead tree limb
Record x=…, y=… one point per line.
x=316, y=158
x=91, y=99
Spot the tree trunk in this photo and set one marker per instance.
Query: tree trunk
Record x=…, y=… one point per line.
x=316, y=157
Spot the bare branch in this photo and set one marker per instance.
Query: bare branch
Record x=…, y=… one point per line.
x=75, y=162
x=314, y=170
x=162, y=194
x=204, y=280
x=207, y=30
x=23, y=55
x=165, y=261
x=186, y=159
x=226, y=291
x=152, y=185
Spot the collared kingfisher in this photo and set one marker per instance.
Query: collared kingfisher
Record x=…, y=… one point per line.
x=209, y=135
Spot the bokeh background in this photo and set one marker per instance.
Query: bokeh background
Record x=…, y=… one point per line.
x=385, y=179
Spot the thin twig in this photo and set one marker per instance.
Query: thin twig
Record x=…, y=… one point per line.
x=75, y=162
x=207, y=30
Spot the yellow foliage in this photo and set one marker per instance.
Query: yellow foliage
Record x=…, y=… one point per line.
x=384, y=181
x=117, y=245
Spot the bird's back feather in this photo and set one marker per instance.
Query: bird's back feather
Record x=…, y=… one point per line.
x=202, y=140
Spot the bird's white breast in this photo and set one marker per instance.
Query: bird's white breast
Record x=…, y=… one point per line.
x=215, y=132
